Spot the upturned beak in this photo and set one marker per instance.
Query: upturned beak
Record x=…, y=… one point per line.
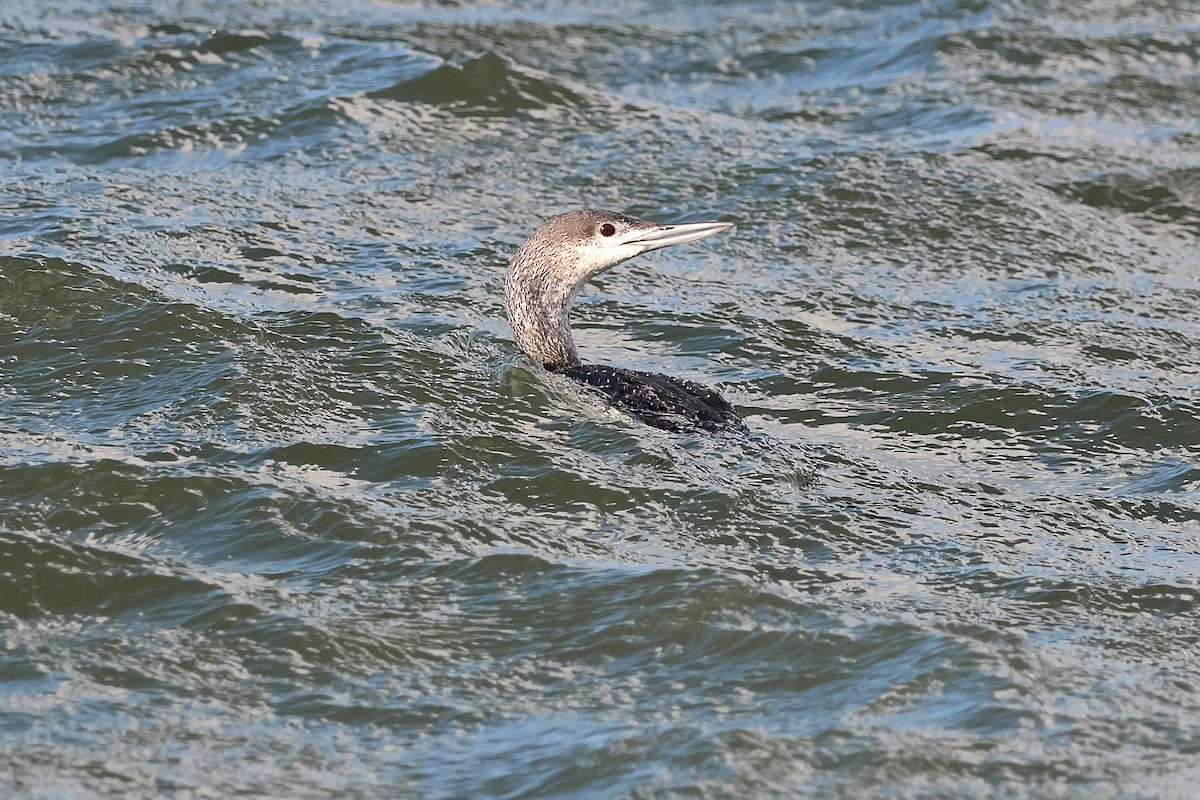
x=667, y=235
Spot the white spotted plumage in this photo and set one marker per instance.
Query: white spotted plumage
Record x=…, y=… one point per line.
x=545, y=275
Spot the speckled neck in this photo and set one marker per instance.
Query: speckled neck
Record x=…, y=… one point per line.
x=538, y=298
x=547, y=272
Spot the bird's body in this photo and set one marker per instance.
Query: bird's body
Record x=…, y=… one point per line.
x=545, y=275
x=660, y=400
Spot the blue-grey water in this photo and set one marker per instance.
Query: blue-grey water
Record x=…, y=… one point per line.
x=285, y=513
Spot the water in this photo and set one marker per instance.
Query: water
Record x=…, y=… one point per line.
x=283, y=513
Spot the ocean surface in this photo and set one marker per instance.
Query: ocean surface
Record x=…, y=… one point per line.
x=284, y=513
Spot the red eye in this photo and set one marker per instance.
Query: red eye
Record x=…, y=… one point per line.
x=607, y=229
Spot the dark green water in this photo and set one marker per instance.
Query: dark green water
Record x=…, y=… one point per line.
x=284, y=513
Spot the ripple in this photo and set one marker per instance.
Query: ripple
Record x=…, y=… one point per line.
x=488, y=82
x=1170, y=199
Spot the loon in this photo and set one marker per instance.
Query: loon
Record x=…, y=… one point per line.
x=547, y=272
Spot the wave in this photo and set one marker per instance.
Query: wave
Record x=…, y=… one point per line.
x=488, y=83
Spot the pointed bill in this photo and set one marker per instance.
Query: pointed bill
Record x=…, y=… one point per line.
x=667, y=235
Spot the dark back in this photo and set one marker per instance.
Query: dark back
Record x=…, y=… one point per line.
x=660, y=400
